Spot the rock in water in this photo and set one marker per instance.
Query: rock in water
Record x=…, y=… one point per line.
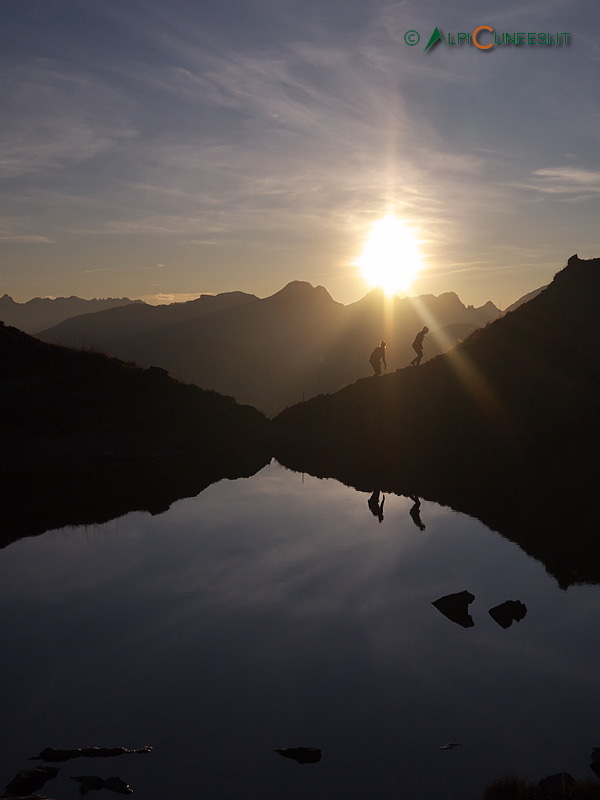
x=93, y=782
x=88, y=782
x=303, y=755
x=30, y=780
x=117, y=785
x=508, y=612
x=53, y=754
x=557, y=783
x=456, y=607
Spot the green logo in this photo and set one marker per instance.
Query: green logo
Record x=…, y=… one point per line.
x=484, y=37
x=435, y=37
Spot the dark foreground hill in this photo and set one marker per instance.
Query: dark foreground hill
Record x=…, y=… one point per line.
x=43, y=312
x=506, y=426
x=275, y=351
x=86, y=437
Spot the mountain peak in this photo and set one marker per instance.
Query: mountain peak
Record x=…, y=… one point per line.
x=299, y=288
x=295, y=287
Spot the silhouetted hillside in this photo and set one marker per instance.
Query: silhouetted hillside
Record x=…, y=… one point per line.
x=505, y=426
x=103, y=437
x=525, y=299
x=274, y=351
x=42, y=312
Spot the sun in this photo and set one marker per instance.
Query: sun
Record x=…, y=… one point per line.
x=390, y=257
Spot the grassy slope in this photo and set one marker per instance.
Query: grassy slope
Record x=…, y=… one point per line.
x=99, y=405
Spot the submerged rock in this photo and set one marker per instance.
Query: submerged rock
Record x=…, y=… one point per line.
x=117, y=785
x=303, y=755
x=557, y=783
x=53, y=754
x=456, y=607
x=88, y=782
x=595, y=761
x=93, y=783
x=30, y=780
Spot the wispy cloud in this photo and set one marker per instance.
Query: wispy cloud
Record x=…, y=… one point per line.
x=303, y=136
x=165, y=298
x=569, y=178
x=119, y=269
x=56, y=118
x=20, y=230
x=569, y=183
x=25, y=238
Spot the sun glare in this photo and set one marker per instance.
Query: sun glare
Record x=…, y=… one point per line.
x=390, y=257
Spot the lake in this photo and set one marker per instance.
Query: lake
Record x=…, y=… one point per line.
x=278, y=611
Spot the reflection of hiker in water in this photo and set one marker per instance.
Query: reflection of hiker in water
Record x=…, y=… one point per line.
x=377, y=356
x=375, y=506
x=417, y=346
x=415, y=512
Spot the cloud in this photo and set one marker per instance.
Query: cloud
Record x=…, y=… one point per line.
x=18, y=230
x=568, y=183
x=567, y=178
x=26, y=239
x=165, y=298
x=309, y=134
x=55, y=118
x=119, y=269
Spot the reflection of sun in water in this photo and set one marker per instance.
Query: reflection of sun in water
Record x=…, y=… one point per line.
x=390, y=257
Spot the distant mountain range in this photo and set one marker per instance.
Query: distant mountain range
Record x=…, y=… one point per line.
x=506, y=426
x=275, y=351
x=44, y=312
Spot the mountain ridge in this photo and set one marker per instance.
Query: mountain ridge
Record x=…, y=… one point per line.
x=40, y=313
x=271, y=352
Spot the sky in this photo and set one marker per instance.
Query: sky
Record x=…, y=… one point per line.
x=166, y=148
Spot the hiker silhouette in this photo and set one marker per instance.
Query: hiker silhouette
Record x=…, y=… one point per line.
x=417, y=346
x=377, y=356
x=415, y=512
x=375, y=506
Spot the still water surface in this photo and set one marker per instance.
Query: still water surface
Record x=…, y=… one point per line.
x=277, y=611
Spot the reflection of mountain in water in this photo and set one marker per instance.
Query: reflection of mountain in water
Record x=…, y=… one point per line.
x=504, y=427
x=39, y=502
x=86, y=438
